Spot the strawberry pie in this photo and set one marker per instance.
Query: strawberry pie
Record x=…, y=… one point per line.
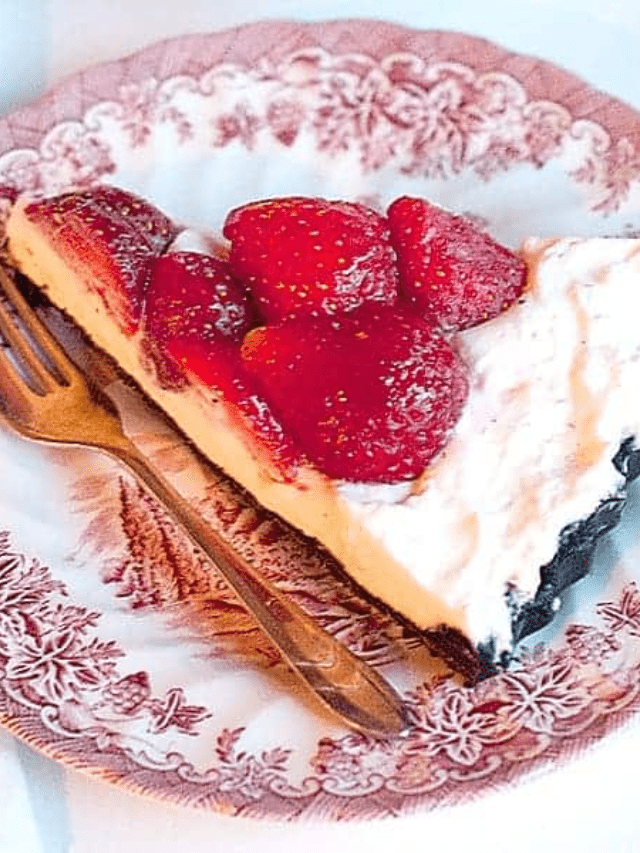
x=453, y=421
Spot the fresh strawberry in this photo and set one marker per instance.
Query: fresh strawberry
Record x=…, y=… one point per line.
x=217, y=365
x=457, y=275
x=152, y=226
x=220, y=367
x=111, y=235
x=195, y=317
x=310, y=256
x=192, y=295
x=370, y=397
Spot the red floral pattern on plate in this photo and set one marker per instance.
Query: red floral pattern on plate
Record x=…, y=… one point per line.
x=451, y=109
x=62, y=689
x=115, y=658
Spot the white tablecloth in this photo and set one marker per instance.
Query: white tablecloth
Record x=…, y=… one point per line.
x=589, y=805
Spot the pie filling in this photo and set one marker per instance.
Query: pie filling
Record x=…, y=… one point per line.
x=531, y=463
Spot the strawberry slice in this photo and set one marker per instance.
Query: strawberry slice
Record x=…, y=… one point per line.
x=112, y=237
x=370, y=397
x=310, y=256
x=151, y=225
x=196, y=316
x=221, y=369
x=456, y=275
x=192, y=295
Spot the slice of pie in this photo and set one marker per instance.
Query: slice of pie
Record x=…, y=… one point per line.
x=460, y=443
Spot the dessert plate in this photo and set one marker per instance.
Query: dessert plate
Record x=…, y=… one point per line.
x=121, y=653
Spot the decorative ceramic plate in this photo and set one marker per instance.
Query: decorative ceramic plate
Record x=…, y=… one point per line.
x=121, y=652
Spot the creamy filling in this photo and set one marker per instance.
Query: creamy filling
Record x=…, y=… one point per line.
x=552, y=396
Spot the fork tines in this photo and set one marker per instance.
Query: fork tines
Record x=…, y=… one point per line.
x=28, y=347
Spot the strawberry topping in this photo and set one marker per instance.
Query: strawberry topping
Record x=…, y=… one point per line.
x=371, y=396
x=351, y=370
x=195, y=294
x=196, y=315
x=456, y=275
x=311, y=256
x=114, y=236
x=221, y=369
x=192, y=295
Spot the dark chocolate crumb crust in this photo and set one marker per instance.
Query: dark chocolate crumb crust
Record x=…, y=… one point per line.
x=573, y=559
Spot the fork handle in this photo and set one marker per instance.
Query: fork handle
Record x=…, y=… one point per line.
x=341, y=680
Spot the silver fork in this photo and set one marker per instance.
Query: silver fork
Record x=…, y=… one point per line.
x=45, y=396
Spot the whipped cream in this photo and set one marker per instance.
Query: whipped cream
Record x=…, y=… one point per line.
x=553, y=392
